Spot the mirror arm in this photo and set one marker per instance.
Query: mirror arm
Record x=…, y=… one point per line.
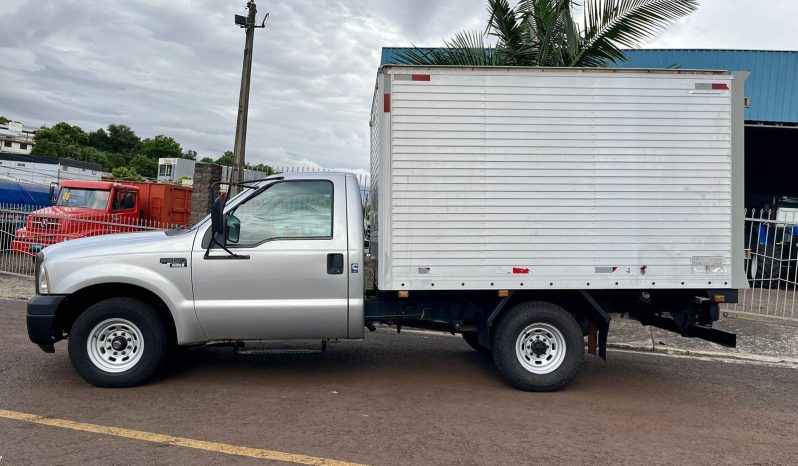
x=231, y=254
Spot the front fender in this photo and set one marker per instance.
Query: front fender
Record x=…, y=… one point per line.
x=171, y=284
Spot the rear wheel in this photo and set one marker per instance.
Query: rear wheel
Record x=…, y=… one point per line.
x=538, y=346
x=472, y=338
x=118, y=342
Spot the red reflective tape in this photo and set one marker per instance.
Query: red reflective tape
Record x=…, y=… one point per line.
x=614, y=269
x=386, y=103
x=720, y=87
x=520, y=270
x=420, y=77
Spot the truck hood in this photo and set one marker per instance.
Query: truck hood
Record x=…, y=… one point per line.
x=71, y=212
x=121, y=244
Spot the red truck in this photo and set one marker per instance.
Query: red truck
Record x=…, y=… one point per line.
x=91, y=208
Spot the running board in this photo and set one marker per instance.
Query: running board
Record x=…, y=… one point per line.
x=242, y=349
x=693, y=331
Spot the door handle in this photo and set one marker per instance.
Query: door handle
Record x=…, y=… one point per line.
x=335, y=264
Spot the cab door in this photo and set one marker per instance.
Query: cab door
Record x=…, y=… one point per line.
x=291, y=280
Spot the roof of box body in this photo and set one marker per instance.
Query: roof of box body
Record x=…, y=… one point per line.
x=772, y=87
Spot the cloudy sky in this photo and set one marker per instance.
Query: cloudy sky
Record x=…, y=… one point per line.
x=173, y=67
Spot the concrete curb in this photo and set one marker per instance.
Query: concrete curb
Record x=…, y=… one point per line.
x=738, y=357
x=671, y=351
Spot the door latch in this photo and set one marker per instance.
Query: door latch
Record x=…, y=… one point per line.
x=335, y=264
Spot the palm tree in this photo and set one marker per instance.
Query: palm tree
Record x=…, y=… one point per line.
x=544, y=33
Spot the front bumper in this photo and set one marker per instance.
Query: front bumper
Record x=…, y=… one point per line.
x=40, y=317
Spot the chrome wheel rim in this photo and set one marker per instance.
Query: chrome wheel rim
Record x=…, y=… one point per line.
x=115, y=345
x=540, y=348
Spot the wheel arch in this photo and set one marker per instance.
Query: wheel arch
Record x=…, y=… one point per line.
x=578, y=303
x=82, y=299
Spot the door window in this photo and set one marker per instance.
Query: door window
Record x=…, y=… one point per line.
x=125, y=200
x=286, y=210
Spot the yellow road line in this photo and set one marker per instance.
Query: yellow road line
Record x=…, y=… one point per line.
x=224, y=448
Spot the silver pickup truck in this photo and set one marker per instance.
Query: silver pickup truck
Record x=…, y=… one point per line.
x=284, y=260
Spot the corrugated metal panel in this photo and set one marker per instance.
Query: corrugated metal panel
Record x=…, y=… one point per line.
x=772, y=86
x=491, y=175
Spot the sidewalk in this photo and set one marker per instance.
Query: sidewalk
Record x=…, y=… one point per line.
x=14, y=287
x=758, y=339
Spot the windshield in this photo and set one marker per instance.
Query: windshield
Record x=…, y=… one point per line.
x=80, y=197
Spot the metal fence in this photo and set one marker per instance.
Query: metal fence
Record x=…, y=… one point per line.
x=25, y=230
x=771, y=264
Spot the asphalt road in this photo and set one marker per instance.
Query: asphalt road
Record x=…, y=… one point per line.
x=410, y=398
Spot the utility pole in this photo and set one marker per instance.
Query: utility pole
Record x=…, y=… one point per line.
x=239, y=148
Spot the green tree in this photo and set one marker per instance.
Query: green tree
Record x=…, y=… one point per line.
x=160, y=146
x=144, y=165
x=62, y=140
x=544, y=33
x=4, y=120
x=117, y=160
x=122, y=139
x=90, y=154
x=226, y=159
x=207, y=160
x=126, y=173
x=267, y=170
x=99, y=140
x=190, y=154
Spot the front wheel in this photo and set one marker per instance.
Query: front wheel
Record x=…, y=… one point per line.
x=118, y=342
x=538, y=346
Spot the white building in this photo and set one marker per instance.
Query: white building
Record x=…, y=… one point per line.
x=15, y=139
x=172, y=169
x=43, y=169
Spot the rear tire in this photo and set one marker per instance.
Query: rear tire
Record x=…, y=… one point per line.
x=538, y=346
x=764, y=269
x=118, y=342
x=472, y=338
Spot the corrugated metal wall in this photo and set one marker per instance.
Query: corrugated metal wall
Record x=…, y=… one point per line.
x=564, y=179
x=772, y=86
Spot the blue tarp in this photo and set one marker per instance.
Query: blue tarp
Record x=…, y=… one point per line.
x=24, y=194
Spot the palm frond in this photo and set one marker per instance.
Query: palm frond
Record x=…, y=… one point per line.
x=503, y=23
x=466, y=48
x=612, y=24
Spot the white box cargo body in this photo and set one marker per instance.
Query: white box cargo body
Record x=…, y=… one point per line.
x=534, y=178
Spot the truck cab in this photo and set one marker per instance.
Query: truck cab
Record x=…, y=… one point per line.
x=286, y=265
x=82, y=209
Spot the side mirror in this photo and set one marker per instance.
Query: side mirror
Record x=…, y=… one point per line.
x=233, y=229
x=217, y=220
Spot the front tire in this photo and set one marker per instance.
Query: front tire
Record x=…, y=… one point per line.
x=118, y=342
x=538, y=346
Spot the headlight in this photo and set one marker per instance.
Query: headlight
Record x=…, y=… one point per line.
x=44, y=282
x=40, y=274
